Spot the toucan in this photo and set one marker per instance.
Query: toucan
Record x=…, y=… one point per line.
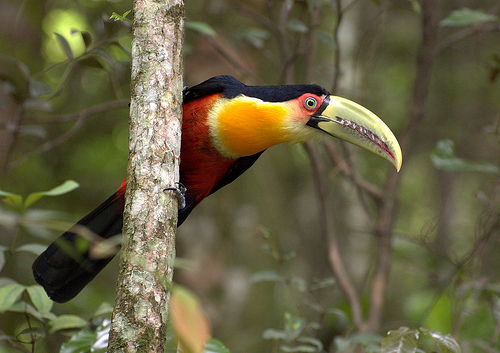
x=226, y=126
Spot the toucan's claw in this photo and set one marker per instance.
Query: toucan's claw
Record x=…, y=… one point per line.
x=180, y=193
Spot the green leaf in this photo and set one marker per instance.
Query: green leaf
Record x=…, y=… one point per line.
x=273, y=334
x=103, y=309
x=256, y=36
x=40, y=299
x=402, y=340
x=324, y=283
x=64, y=46
x=443, y=157
x=467, y=17
x=39, y=88
x=325, y=37
x=64, y=188
x=81, y=342
x=27, y=334
x=64, y=322
x=33, y=248
x=37, y=104
x=13, y=200
x=266, y=276
x=297, y=26
x=201, y=27
x=215, y=346
x=9, y=295
x=312, y=341
x=446, y=343
x=300, y=348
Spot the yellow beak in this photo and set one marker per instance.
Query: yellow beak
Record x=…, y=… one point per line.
x=349, y=121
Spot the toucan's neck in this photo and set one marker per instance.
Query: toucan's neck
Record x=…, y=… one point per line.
x=243, y=126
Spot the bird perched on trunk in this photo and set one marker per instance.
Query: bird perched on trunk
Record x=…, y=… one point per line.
x=226, y=126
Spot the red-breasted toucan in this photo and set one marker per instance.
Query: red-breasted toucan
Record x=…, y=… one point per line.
x=226, y=126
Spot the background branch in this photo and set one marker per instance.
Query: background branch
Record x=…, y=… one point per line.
x=388, y=210
x=330, y=238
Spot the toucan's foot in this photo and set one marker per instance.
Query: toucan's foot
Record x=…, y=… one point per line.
x=180, y=192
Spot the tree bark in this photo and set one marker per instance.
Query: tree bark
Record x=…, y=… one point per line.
x=150, y=216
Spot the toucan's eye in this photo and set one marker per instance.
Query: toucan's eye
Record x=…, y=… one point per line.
x=310, y=103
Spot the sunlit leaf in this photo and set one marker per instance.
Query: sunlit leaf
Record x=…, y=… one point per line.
x=67, y=186
x=40, y=299
x=81, y=342
x=467, y=17
x=443, y=157
x=446, y=343
x=215, y=346
x=188, y=320
x=201, y=27
x=33, y=248
x=9, y=295
x=64, y=46
x=102, y=340
x=402, y=340
x=123, y=18
x=64, y=322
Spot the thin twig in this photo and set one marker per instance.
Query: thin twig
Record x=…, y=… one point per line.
x=79, y=117
x=47, y=146
x=310, y=49
x=467, y=32
x=363, y=185
x=229, y=57
x=480, y=243
x=336, y=56
x=288, y=58
x=330, y=237
x=84, y=113
x=250, y=12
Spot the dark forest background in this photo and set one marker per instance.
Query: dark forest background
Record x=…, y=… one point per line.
x=420, y=249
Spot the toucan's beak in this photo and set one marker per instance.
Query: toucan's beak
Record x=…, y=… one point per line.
x=349, y=121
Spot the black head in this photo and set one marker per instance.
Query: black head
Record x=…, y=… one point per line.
x=231, y=87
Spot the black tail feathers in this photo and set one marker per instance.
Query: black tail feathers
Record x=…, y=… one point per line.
x=66, y=266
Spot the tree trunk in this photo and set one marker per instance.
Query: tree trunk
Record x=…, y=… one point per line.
x=150, y=217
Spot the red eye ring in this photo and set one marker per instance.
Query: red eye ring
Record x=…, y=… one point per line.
x=310, y=103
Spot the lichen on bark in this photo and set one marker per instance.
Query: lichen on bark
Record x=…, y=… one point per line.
x=150, y=215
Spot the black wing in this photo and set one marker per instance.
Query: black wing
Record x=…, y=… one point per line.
x=236, y=170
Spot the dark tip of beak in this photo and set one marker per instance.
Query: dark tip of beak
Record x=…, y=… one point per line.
x=315, y=120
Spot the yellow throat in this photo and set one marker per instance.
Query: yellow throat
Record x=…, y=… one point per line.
x=243, y=126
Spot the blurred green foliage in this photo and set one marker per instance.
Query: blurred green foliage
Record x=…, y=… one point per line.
x=255, y=252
